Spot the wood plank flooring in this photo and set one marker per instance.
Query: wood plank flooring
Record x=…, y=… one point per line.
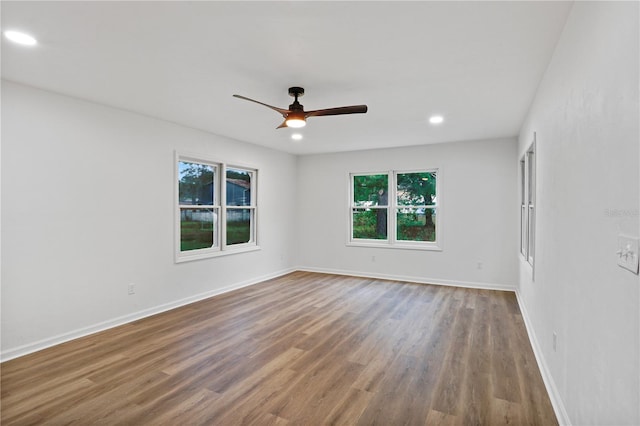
x=303, y=349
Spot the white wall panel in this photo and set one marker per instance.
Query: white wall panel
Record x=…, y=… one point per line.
x=478, y=216
x=586, y=120
x=88, y=207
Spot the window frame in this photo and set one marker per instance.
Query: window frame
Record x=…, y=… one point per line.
x=253, y=207
x=352, y=207
x=527, y=175
x=392, y=208
x=531, y=202
x=523, y=208
x=220, y=246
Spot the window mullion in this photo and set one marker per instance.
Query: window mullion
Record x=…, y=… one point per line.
x=223, y=206
x=392, y=208
x=197, y=206
x=252, y=226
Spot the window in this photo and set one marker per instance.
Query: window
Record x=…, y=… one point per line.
x=210, y=221
x=370, y=207
x=523, y=209
x=531, y=194
x=198, y=203
x=527, y=203
x=241, y=208
x=394, y=209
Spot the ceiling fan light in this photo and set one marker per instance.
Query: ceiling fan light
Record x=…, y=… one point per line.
x=296, y=123
x=296, y=119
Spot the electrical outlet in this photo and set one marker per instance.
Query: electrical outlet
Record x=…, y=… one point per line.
x=479, y=265
x=132, y=288
x=373, y=259
x=555, y=341
x=628, y=253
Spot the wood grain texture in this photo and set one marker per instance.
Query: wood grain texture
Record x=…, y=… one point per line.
x=303, y=349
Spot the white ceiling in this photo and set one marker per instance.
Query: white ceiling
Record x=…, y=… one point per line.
x=476, y=63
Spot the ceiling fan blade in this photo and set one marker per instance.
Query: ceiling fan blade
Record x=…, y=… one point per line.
x=355, y=109
x=284, y=124
x=284, y=112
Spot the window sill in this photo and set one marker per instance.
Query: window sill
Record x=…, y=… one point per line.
x=526, y=260
x=528, y=265
x=216, y=253
x=401, y=246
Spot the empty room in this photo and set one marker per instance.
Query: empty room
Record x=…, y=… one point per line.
x=313, y=213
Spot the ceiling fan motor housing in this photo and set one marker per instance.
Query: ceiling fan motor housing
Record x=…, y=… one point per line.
x=296, y=92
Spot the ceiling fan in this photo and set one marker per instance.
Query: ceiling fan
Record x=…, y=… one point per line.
x=296, y=116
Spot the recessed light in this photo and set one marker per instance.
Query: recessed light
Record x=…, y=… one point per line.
x=296, y=136
x=20, y=38
x=436, y=119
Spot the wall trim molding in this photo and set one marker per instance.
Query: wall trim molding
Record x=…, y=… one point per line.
x=411, y=279
x=125, y=319
x=547, y=378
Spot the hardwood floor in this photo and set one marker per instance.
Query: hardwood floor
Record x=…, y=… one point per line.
x=303, y=349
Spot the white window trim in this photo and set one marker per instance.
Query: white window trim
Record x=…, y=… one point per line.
x=531, y=203
x=528, y=185
x=522, y=173
x=221, y=249
x=252, y=243
x=392, y=241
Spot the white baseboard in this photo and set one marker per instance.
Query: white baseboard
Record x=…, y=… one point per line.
x=95, y=328
x=419, y=280
x=550, y=384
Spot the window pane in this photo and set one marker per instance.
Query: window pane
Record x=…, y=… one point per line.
x=370, y=190
x=196, y=183
x=522, y=181
x=531, y=235
x=416, y=189
x=416, y=224
x=197, y=228
x=531, y=176
x=523, y=230
x=239, y=226
x=370, y=224
x=238, y=187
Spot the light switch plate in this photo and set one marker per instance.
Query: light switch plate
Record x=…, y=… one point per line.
x=628, y=253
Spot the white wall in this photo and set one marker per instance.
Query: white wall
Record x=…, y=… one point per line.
x=88, y=207
x=586, y=119
x=478, y=217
